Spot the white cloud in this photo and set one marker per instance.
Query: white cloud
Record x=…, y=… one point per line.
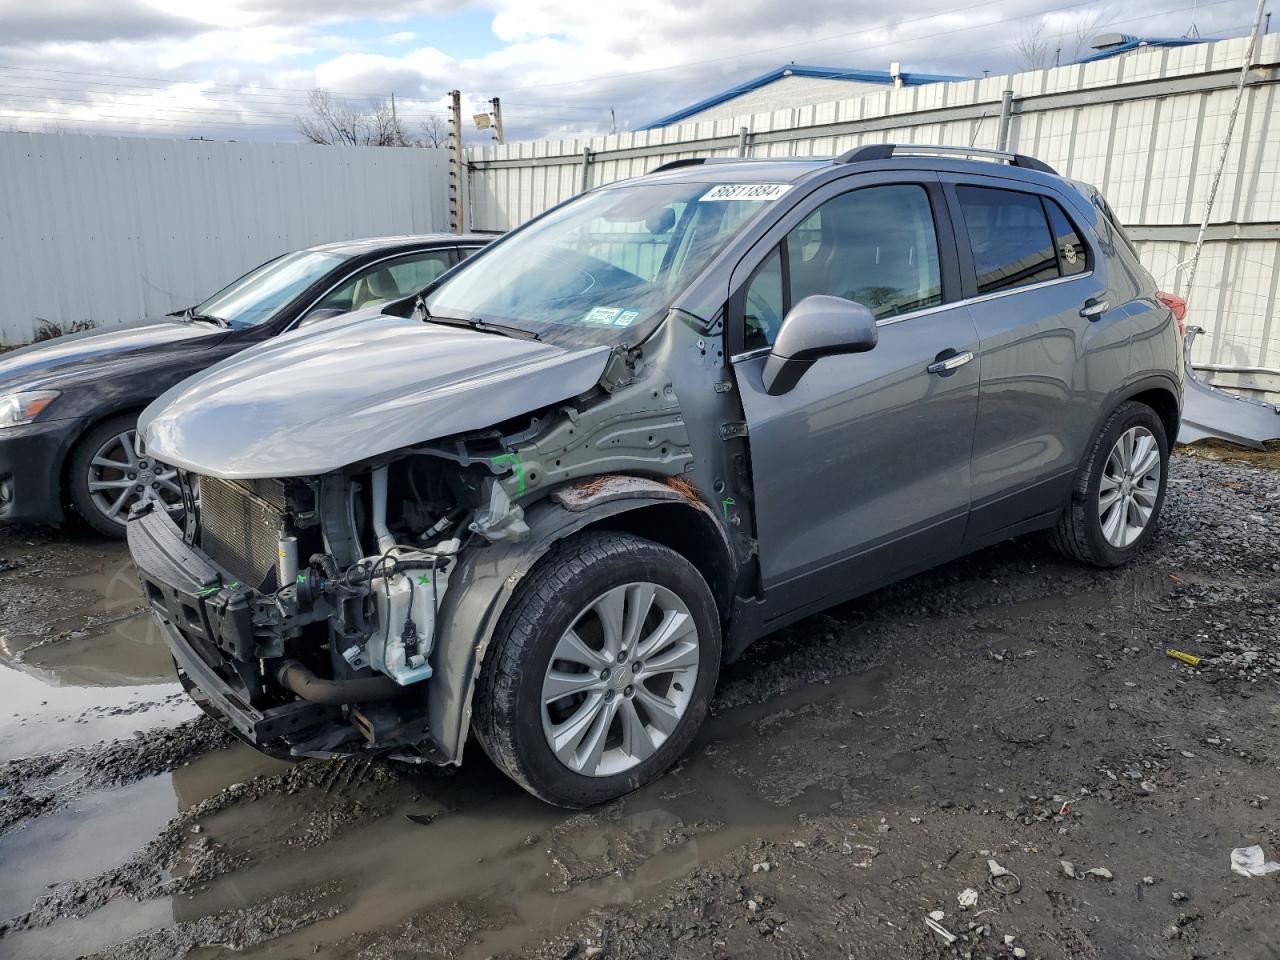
x=559, y=65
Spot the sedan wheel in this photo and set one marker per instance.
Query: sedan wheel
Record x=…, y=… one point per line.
x=108, y=476
x=620, y=680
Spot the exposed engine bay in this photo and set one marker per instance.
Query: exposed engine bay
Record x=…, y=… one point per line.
x=322, y=614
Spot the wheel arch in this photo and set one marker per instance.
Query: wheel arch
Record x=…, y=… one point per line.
x=1162, y=394
x=482, y=585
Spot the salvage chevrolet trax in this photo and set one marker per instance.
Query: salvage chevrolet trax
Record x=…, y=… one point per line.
x=547, y=502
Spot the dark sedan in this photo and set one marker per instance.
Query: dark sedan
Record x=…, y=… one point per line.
x=69, y=407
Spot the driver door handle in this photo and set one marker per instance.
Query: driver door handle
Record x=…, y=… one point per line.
x=949, y=364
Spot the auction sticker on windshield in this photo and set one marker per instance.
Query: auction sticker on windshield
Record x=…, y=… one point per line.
x=746, y=191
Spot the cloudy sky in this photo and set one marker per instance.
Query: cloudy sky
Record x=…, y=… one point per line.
x=241, y=69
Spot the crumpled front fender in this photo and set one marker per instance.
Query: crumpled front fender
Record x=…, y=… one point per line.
x=486, y=577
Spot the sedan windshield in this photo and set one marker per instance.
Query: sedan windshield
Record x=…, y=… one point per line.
x=605, y=267
x=263, y=292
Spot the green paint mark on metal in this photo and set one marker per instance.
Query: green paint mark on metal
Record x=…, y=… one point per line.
x=424, y=580
x=517, y=465
x=725, y=504
x=210, y=591
x=302, y=578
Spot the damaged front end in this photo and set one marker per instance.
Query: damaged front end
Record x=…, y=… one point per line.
x=306, y=611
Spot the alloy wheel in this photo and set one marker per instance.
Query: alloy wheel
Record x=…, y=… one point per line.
x=1129, y=487
x=620, y=679
x=119, y=477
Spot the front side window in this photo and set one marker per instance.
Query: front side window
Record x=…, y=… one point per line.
x=877, y=246
x=1009, y=236
x=603, y=268
x=261, y=294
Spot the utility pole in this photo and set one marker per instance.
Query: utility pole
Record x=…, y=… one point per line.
x=497, y=119
x=395, y=124
x=456, y=173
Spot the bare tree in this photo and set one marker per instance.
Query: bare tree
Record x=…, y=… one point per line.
x=1031, y=48
x=1087, y=26
x=335, y=120
x=435, y=132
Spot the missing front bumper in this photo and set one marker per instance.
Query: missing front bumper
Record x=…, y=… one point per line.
x=206, y=625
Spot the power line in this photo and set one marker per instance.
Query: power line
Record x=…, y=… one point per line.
x=863, y=48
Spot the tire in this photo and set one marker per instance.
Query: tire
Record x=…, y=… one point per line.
x=1081, y=533
x=532, y=656
x=135, y=477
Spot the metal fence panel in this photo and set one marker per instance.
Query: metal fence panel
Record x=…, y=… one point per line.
x=111, y=229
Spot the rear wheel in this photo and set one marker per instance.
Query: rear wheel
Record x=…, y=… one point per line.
x=601, y=669
x=107, y=476
x=1119, y=491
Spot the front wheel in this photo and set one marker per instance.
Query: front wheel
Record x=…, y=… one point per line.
x=601, y=669
x=107, y=476
x=1119, y=490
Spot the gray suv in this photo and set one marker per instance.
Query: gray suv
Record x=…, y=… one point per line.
x=544, y=501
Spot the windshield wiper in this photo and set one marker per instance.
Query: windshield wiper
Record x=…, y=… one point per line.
x=192, y=316
x=476, y=323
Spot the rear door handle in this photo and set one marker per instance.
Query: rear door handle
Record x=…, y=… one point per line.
x=1094, y=308
x=950, y=364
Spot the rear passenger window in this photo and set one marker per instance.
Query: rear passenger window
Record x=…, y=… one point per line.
x=1073, y=256
x=1009, y=236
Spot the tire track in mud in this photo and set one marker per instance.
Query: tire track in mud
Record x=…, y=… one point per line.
x=955, y=713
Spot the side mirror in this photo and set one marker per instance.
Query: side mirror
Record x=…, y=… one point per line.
x=325, y=313
x=817, y=326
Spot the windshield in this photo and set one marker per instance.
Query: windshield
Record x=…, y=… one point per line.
x=262, y=293
x=605, y=267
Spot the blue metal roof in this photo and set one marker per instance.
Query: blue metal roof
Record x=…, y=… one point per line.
x=1135, y=43
x=798, y=70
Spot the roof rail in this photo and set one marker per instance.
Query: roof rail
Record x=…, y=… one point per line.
x=694, y=162
x=883, y=151
x=686, y=162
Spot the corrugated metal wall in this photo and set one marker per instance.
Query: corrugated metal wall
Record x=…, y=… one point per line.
x=1146, y=128
x=111, y=229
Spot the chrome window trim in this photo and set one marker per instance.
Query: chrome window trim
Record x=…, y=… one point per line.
x=981, y=298
x=346, y=278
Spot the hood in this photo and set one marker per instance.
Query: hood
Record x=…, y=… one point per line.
x=317, y=400
x=94, y=352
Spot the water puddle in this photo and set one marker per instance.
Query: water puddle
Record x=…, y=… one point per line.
x=93, y=833
x=91, y=667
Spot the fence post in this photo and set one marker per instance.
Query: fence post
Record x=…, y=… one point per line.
x=1006, y=116
x=586, y=170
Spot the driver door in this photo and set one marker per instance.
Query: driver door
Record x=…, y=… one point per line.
x=861, y=471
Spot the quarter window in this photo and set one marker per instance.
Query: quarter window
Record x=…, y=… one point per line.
x=876, y=246
x=1009, y=236
x=1073, y=255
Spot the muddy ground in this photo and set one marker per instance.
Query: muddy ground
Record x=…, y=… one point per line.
x=861, y=771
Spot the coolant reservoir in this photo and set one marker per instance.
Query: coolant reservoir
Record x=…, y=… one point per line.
x=395, y=597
